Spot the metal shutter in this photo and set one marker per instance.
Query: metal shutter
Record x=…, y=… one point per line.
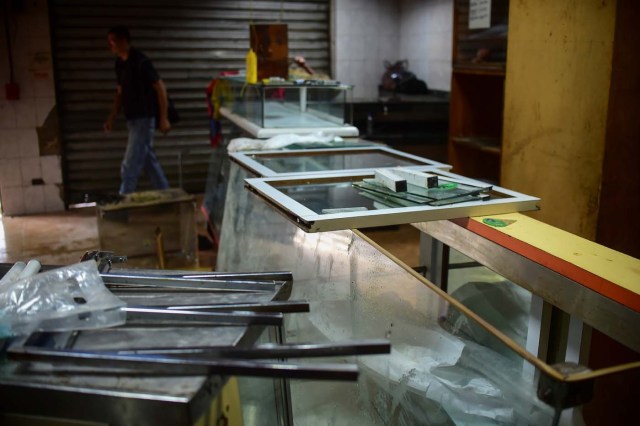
x=189, y=42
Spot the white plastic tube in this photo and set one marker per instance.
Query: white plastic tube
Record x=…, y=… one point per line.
x=12, y=274
x=32, y=268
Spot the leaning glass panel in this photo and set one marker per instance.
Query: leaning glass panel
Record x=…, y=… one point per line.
x=444, y=367
x=505, y=305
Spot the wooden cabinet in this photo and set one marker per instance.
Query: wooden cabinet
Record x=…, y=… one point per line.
x=477, y=91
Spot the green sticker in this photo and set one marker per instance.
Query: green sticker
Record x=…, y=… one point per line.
x=495, y=222
x=448, y=186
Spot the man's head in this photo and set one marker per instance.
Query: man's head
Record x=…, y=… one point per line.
x=118, y=39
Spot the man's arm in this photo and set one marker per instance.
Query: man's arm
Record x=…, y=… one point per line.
x=115, y=108
x=163, y=105
x=302, y=62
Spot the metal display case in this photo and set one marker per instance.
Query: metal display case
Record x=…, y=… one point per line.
x=267, y=109
x=449, y=363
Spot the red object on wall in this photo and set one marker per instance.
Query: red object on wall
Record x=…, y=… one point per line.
x=12, y=91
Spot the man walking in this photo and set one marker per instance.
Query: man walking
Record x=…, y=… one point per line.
x=141, y=94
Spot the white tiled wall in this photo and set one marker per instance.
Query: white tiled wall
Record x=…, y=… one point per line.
x=426, y=40
x=368, y=32
x=365, y=34
x=20, y=160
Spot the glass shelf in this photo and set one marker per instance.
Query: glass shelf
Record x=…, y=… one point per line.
x=281, y=107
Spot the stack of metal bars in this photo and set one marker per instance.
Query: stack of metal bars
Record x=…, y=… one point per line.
x=183, y=335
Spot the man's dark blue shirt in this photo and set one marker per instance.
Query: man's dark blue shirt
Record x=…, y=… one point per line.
x=136, y=76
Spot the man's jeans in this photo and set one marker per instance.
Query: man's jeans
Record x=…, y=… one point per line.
x=140, y=155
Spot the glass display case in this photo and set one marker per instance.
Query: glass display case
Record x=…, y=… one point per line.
x=268, y=109
x=449, y=363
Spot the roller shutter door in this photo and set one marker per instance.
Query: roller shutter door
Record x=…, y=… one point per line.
x=189, y=42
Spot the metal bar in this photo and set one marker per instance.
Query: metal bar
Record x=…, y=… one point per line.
x=237, y=318
x=241, y=276
x=284, y=307
x=462, y=265
x=282, y=387
x=608, y=316
x=213, y=284
x=160, y=247
x=275, y=351
x=166, y=366
x=246, y=276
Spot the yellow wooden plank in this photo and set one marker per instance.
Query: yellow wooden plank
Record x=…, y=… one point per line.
x=611, y=265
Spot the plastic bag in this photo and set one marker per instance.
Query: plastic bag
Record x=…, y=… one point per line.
x=282, y=141
x=69, y=298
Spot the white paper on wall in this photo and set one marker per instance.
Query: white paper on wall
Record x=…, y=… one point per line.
x=479, y=14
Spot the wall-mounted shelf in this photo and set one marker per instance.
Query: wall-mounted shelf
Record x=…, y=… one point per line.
x=497, y=70
x=488, y=145
x=477, y=93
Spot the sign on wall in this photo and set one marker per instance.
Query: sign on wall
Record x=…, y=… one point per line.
x=479, y=14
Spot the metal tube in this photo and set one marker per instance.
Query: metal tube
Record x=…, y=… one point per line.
x=227, y=318
x=284, y=307
x=32, y=268
x=274, y=351
x=166, y=366
x=160, y=248
x=165, y=282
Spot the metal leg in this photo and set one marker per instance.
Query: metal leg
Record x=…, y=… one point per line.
x=435, y=256
x=577, y=338
x=537, y=332
x=281, y=387
x=574, y=341
x=179, y=169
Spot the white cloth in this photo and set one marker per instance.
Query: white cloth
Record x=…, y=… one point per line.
x=281, y=141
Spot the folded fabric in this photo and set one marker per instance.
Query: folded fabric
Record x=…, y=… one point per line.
x=282, y=141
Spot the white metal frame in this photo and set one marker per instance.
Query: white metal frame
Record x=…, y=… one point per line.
x=256, y=131
x=245, y=159
x=311, y=221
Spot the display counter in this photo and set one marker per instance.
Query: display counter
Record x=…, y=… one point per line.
x=451, y=363
x=266, y=109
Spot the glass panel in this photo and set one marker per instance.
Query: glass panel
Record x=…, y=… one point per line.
x=332, y=161
x=444, y=368
x=302, y=106
x=248, y=103
x=326, y=198
x=505, y=305
x=259, y=406
x=287, y=105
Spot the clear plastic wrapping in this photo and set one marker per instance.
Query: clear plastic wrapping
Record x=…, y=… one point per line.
x=69, y=298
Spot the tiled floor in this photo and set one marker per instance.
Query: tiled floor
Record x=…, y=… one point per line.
x=403, y=241
x=54, y=238
x=62, y=238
